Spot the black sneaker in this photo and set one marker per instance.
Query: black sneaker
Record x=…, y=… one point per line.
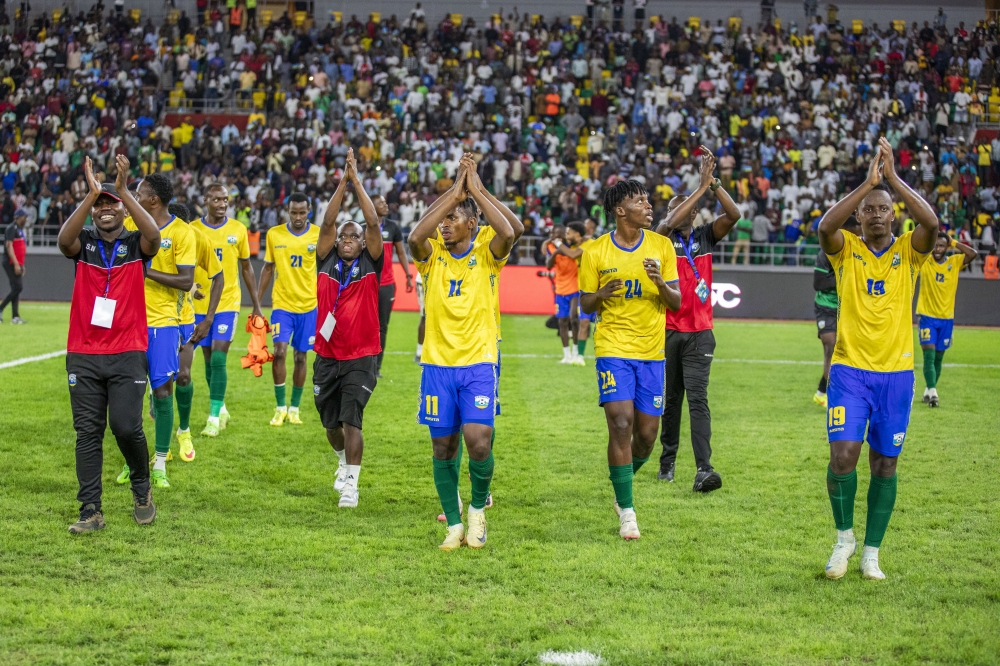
x=91, y=520
x=707, y=480
x=666, y=473
x=145, y=510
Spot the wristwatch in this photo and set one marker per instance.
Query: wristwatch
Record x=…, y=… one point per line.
x=716, y=185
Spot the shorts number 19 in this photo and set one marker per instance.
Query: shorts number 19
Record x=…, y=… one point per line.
x=835, y=417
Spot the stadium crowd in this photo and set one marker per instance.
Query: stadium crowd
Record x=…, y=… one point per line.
x=555, y=112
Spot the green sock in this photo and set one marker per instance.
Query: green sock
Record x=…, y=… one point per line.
x=842, y=489
x=938, y=362
x=881, y=499
x=296, y=395
x=208, y=371
x=481, y=473
x=279, y=394
x=493, y=438
x=581, y=346
x=446, y=482
x=164, y=410
x=638, y=462
x=185, y=396
x=217, y=390
x=621, y=479
x=930, y=374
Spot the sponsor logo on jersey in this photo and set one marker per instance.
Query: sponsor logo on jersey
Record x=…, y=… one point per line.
x=72, y=379
x=897, y=439
x=609, y=270
x=482, y=401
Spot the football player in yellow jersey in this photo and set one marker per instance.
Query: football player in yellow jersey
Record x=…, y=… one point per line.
x=169, y=276
x=936, y=306
x=291, y=259
x=871, y=373
x=458, y=378
x=207, y=269
x=231, y=245
x=628, y=279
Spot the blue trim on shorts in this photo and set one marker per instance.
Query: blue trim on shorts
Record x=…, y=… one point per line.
x=187, y=330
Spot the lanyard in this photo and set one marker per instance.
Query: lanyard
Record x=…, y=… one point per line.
x=687, y=253
x=108, y=264
x=343, y=282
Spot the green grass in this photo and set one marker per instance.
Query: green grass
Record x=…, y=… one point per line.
x=251, y=561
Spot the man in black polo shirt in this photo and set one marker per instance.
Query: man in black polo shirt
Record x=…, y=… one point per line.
x=13, y=264
x=106, y=350
x=392, y=239
x=347, y=328
x=690, y=343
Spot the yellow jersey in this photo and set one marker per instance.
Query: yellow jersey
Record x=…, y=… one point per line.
x=177, y=249
x=630, y=324
x=586, y=243
x=460, y=302
x=206, y=268
x=485, y=234
x=874, y=326
x=938, y=284
x=294, y=259
x=230, y=243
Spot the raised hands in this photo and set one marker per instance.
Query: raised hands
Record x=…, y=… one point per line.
x=707, y=167
x=92, y=182
x=121, y=181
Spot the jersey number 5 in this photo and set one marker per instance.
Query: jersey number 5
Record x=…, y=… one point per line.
x=218, y=253
x=876, y=287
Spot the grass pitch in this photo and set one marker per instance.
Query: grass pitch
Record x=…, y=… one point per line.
x=251, y=561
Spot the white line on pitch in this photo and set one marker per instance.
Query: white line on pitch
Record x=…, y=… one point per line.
x=581, y=658
x=32, y=359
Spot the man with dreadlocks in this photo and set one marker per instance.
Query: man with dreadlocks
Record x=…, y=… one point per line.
x=628, y=278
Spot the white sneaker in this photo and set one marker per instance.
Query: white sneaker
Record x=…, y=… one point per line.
x=566, y=360
x=454, y=539
x=932, y=398
x=578, y=360
x=836, y=567
x=927, y=395
x=349, y=498
x=341, y=480
x=628, y=528
x=869, y=565
x=475, y=537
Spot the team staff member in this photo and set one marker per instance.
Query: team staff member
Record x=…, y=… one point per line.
x=106, y=349
x=232, y=246
x=290, y=258
x=690, y=342
x=936, y=307
x=168, y=277
x=207, y=269
x=629, y=279
x=13, y=264
x=871, y=377
x=826, y=303
x=392, y=239
x=347, y=341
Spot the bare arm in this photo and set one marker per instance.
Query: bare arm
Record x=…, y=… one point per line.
x=683, y=210
x=69, y=234
x=373, y=233
x=246, y=272
x=724, y=223
x=144, y=222
x=670, y=294
x=925, y=235
x=969, y=252
x=420, y=246
x=404, y=261
x=13, y=259
x=266, y=275
x=502, y=243
x=571, y=252
x=183, y=279
x=831, y=238
x=515, y=223
x=589, y=303
x=328, y=230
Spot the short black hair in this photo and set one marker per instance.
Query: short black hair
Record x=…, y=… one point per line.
x=469, y=206
x=180, y=211
x=851, y=222
x=944, y=235
x=161, y=186
x=216, y=185
x=618, y=193
x=298, y=197
x=577, y=227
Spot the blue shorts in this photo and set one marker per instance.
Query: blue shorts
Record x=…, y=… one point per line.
x=879, y=400
x=642, y=382
x=163, y=354
x=563, y=305
x=223, y=328
x=499, y=366
x=451, y=397
x=937, y=332
x=297, y=328
x=187, y=330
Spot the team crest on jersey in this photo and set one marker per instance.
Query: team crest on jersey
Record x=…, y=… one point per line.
x=354, y=273
x=472, y=262
x=231, y=240
x=482, y=401
x=950, y=267
x=72, y=380
x=315, y=389
x=695, y=246
x=896, y=261
x=166, y=243
x=897, y=439
x=658, y=401
x=385, y=235
x=223, y=328
x=311, y=247
x=122, y=251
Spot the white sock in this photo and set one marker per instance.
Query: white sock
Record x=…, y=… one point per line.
x=628, y=511
x=567, y=353
x=473, y=509
x=353, y=472
x=179, y=431
x=161, y=462
x=214, y=420
x=420, y=349
x=341, y=456
x=845, y=536
x=869, y=551
x=293, y=410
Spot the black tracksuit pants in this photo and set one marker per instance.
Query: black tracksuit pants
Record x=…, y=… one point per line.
x=108, y=389
x=689, y=360
x=16, y=285
x=386, y=297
